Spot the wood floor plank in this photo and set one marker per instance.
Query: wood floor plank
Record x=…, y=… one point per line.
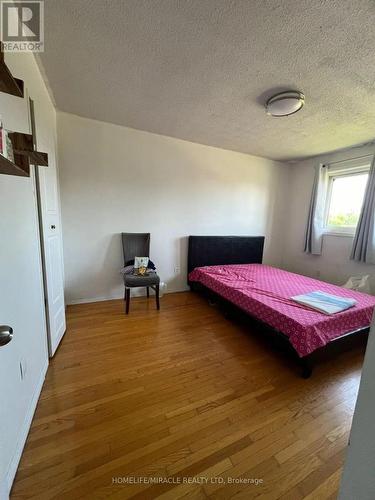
x=182, y=393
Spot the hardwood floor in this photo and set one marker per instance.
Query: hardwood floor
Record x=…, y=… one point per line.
x=187, y=395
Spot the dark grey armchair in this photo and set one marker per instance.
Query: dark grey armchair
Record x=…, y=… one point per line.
x=138, y=244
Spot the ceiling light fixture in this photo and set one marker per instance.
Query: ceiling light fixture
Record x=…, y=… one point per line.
x=285, y=103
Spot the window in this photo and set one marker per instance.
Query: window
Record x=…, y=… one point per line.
x=346, y=189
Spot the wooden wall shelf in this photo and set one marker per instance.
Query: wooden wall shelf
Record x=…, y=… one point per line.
x=24, y=155
x=23, y=145
x=10, y=168
x=38, y=158
x=8, y=83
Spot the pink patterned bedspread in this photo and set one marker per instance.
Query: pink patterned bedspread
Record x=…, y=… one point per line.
x=265, y=291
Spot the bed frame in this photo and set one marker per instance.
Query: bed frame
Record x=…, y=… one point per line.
x=222, y=250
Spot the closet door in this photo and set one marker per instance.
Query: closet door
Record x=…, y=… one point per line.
x=51, y=242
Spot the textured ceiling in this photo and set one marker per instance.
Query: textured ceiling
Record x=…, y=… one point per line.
x=201, y=70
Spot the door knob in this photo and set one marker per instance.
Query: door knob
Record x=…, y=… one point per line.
x=53, y=226
x=6, y=334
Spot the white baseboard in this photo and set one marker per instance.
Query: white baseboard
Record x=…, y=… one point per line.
x=116, y=297
x=93, y=299
x=9, y=478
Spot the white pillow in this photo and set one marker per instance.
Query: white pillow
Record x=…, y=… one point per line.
x=140, y=262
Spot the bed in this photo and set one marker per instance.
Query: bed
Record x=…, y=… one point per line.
x=230, y=268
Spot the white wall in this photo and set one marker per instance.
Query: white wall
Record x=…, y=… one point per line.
x=20, y=271
x=115, y=179
x=334, y=264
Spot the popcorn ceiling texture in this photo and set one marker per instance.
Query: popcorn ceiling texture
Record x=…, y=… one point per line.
x=201, y=70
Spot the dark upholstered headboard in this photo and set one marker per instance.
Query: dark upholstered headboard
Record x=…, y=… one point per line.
x=220, y=250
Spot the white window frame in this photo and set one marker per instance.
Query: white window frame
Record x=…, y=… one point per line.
x=347, y=168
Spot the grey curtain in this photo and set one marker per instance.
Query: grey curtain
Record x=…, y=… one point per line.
x=363, y=249
x=315, y=220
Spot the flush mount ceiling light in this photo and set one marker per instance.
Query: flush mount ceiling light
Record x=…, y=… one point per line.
x=285, y=103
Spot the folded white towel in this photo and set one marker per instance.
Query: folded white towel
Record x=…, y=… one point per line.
x=324, y=302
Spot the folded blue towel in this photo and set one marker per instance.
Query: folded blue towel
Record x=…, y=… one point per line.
x=324, y=302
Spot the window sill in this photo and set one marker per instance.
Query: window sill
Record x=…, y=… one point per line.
x=338, y=233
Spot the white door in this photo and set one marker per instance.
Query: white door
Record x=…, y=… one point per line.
x=50, y=230
x=358, y=478
x=24, y=360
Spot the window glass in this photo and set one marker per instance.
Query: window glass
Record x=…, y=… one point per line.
x=345, y=200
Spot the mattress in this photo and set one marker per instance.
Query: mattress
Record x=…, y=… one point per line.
x=264, y=292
